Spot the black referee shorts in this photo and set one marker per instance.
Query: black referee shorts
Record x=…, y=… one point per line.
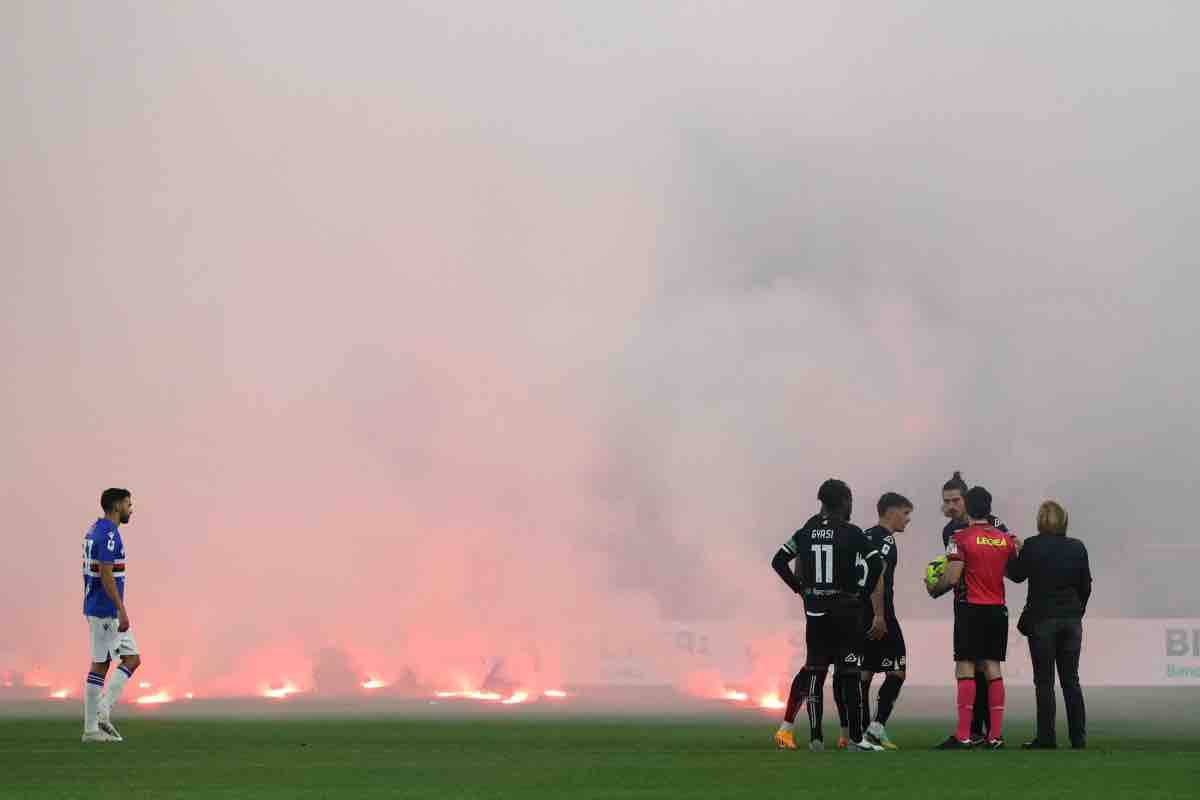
x=980, y=632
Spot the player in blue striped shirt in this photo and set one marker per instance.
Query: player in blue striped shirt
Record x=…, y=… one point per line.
x=108, y=621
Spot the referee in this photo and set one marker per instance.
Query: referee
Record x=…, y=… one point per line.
x=954, y=508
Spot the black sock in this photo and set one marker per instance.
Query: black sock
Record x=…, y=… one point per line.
x=852, y=699
x=797, y=694
x=816, y=703
x=866, y=700
x=888, y=693
x=839, y=699
x=981, y=713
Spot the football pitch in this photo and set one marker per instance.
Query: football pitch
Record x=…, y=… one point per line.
x=583, y=757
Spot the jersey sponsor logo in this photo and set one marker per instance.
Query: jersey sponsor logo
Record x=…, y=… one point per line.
x=990, y=542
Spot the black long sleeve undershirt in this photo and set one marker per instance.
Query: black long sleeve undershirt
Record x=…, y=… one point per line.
x=782, y=564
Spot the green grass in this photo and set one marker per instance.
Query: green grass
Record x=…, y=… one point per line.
x=546, y=757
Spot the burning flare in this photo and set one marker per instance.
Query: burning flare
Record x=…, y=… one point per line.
x=280, y=692
x=61, y=694
x=472, y=695
x=150, y=699
x=771, y=701
x=373, y=683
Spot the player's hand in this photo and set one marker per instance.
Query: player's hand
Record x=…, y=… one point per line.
x=878, y=628
x=1016, y=540
x=122, y=621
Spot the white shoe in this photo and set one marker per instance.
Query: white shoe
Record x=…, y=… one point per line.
x=97, y=736
x=106, y=726
x=816, y=746
x=876, y=734
x=864, y=747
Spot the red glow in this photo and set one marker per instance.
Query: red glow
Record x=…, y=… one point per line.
x=280, y=692
x=517, y=697
x=61, y=694
x=373, y=683
x=153, y=699
x=736, y=696
x=487, y=697
x=771, y=701
x=556, y=693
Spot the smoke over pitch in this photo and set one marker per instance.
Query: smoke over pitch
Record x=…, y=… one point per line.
x=428, y=337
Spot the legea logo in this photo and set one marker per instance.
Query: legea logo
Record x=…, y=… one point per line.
x=987, y=540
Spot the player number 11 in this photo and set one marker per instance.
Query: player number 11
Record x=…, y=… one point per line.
x=823, y=575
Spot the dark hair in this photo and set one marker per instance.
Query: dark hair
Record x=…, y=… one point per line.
x=892, y=500
x=979, y=503
x=956, y=482
x=110, y=497
x=834, y=495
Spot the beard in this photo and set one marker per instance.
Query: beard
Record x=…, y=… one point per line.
x=124, y=518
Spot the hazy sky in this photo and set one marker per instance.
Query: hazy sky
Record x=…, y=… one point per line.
x=436, y=328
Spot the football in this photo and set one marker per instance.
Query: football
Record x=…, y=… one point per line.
x=934, y=570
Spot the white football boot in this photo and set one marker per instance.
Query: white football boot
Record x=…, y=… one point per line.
x=106, y=726
x=864, y=747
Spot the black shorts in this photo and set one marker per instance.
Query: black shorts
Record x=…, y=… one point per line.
x=886, y=654
x=834, y=639
x=980, y=632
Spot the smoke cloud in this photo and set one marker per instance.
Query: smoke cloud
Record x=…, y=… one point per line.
x=446, y=341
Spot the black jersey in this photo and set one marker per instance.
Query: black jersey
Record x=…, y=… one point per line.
x=885, y=543
x=953, y=527
x=834, y=561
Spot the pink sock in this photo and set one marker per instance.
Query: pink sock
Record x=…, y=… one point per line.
x=996, y=707
x=966, y=707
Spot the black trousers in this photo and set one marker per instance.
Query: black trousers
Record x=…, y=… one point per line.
x=1058, y=642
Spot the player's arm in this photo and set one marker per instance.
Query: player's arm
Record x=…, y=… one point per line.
x=878, y=622
x=781, y=563
x=949, y=578
x=875, y=568
x=110, y=588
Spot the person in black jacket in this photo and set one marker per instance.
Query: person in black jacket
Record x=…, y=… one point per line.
x=1060, y=583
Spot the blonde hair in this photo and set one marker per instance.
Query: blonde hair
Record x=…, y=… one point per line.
x=1052, y=519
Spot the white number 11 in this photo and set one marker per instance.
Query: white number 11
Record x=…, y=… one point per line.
x=826, y=575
